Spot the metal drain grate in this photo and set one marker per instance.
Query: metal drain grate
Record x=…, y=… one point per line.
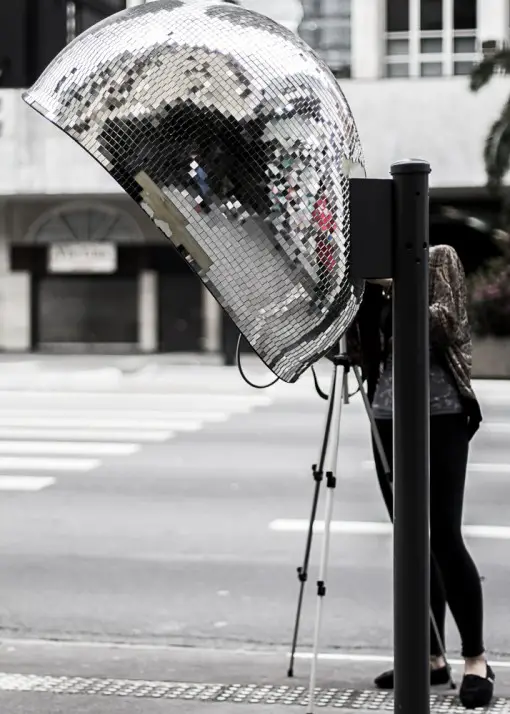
x=367, y=700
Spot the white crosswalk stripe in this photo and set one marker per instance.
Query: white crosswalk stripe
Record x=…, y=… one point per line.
x=46, y=433
x=107, y=435
x=43, y=463
x=99, y=423
x=25, y=483
x=80, y=448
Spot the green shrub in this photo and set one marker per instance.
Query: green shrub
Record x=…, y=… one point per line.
x=489, y=299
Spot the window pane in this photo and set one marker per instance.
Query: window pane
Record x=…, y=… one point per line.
x=334, y=35
x=431, y=69
x=431, y=45
x=397, y=70
x=464, y=44
x=336, y=8
x=464, y=14
x=397, y=15
x=397, y=47
x=88, y=14
x=337, y=61
x=431, y=14
x=462, y=68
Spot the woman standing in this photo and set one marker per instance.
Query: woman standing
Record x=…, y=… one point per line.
x=454, y=418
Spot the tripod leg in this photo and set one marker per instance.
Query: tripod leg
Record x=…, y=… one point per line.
x=321, y=582
x=318, y=474
x=387, y=473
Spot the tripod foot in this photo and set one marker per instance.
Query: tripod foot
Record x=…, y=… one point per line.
x=290, y=673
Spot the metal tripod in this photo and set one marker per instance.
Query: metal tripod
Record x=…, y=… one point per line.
x=327, y=468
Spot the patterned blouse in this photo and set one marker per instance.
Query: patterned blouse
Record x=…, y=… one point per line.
x=450, y=333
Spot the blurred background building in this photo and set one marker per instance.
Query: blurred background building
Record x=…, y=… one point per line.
x=82, y=268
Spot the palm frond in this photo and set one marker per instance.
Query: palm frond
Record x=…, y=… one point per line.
x=482, y=73
x=497, y=150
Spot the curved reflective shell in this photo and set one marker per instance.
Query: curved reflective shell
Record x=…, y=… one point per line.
x=237, y=141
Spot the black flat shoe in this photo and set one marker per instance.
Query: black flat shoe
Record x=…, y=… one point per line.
x=477, y=691
x=386, y=680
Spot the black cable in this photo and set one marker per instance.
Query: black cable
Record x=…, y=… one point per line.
x=241, y=372
x=318, y=389
x=322, y=394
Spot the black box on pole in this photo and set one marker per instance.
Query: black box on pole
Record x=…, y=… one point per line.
x=411, y=436
x=371, y=216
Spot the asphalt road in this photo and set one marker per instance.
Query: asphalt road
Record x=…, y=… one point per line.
x=165, y=511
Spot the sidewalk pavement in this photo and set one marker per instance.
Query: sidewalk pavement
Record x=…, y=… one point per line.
x=39, y=677
x=50, y=704
x=50, y=677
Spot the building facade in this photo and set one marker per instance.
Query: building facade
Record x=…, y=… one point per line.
x=403, y=66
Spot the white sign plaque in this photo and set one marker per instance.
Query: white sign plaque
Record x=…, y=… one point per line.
x=82, y=257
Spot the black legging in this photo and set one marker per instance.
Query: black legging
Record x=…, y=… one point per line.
x=454, y=576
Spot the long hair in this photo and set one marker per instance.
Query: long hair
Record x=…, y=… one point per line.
x=367, y=325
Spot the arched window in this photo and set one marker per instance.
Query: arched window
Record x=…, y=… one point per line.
x=85, y=223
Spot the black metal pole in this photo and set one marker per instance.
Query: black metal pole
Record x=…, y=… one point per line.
x=411, y=437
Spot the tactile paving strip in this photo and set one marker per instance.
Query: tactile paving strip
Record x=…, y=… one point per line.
x=347, y=699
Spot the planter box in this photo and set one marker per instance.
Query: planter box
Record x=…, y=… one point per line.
x=491, y=357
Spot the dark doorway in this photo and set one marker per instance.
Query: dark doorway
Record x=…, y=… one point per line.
x=180, y=312
x=85, y=313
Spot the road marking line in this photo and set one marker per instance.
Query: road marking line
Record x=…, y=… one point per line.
x=368, y=528
x=188, y=398
x=156, y=416
x=47, y=464
x=487, y=467
x=346, y=657
x=65, y=434
x=68, y=447
x=98, y=423
x=238, y=652
x=25, y=483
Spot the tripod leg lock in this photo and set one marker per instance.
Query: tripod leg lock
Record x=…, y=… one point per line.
x=330, y=479
x=342, y=360
x=302, y=575
x=321, y=588
x=318, y=474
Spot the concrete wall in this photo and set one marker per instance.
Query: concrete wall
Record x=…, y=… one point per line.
x=148, y=311
x=439, y=119
x=436, y=119
x=37, y=158
x=15, y=299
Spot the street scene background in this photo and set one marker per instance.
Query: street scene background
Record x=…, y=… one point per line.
x=153, y=507
x=153, y=515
